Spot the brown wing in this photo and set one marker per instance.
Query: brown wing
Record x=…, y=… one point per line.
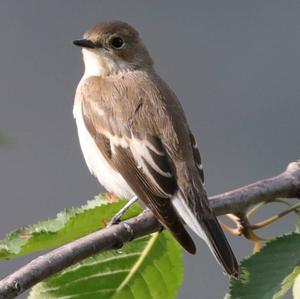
x=143, y=162
x=197, y=157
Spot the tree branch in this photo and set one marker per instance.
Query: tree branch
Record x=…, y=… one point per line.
x=287, y=184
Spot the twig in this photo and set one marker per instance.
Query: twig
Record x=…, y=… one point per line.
x=274, y=218
x=287, y=184
x=237, y=201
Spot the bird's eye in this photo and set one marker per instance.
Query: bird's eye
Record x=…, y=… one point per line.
x=117, y=42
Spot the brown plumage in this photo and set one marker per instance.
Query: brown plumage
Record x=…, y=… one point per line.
x=132, y=126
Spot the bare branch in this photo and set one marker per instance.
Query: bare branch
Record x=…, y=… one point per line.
x=287, y=184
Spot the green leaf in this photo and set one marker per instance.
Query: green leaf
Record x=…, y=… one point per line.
x=146, y=268
x=287, y=283
x=271, y=272
x=296, y=288
x=67, y=226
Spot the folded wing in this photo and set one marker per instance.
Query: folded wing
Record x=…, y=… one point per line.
x=144, y=164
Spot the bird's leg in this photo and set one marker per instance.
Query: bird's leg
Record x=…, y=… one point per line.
x=116, y=218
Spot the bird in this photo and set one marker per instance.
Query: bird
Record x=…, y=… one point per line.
x=136, y=139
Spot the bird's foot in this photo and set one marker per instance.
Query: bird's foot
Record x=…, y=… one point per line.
x=117, y=217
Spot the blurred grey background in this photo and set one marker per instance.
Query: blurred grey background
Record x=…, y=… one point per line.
x=235, y=65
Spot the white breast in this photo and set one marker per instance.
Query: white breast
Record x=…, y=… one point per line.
x=97, y=164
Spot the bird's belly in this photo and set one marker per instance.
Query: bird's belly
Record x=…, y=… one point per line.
x=97, y=164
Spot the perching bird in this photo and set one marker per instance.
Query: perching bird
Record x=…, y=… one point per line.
x=136, y=140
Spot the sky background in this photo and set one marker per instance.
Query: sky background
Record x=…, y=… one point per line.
x=235, y=65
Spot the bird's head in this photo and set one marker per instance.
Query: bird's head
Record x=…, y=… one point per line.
x=111, y=47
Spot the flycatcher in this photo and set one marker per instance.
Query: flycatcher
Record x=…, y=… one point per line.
x=136, y=140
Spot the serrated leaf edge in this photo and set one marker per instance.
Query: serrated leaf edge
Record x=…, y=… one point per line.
x=267, y=244
x=246, y=259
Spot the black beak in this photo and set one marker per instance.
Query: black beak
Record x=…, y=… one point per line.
x=84, y=43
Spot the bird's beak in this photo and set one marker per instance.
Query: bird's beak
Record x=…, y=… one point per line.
x=84, y=43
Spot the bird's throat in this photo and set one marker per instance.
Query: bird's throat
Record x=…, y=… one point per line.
x=100, y=63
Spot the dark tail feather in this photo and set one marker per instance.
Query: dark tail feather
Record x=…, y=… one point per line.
x=220, y=246
x=170, y=220
x=183, y=237
x=193, y=208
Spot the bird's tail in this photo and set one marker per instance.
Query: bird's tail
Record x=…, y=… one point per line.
x=193, y=209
